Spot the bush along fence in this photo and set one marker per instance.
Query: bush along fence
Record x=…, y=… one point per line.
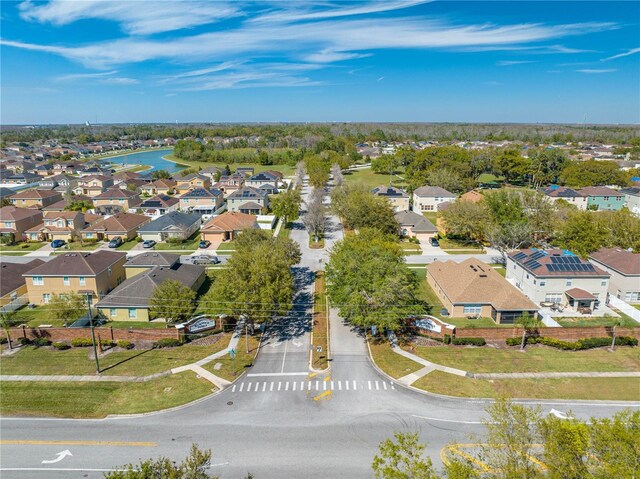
x=585, y=343
x=106, y=334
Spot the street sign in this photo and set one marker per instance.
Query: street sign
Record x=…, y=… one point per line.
x=374, y=330
x=319, y=349
x=232, y=353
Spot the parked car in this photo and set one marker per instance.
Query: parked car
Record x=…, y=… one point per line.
x=205, y=259
x=434, y=242
x=148, y=244
x=115, y=242
x=86, y=323
x=204, y=244
x=58, y=243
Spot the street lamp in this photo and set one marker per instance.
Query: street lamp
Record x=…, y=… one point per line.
x=93, y=334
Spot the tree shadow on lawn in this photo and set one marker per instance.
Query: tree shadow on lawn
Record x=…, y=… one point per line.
x=102, y=370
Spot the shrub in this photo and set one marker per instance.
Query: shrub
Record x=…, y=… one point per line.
x=106, y=343
x=138, y=239
x=3, y=340
x=469, y=341
x=89, y=240
x=61, y=346
x=24, y=245
x=24, y=341
x=40, y=342
x=580, y=344
x=167, y=343
x=125, y=344
x=81, y=342
x=447, y=339
x=513, y=341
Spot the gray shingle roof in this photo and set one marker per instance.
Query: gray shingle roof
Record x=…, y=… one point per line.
x=173, y=218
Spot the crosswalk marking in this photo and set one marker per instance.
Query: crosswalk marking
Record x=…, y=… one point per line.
x=271, y=387
x=369, y=382
x=339, y=385
x=241, y=387
x=346, y=383
x=377, y=386
x=354, y=385
x=385, y=385
x=312, y=385
x=264, y=386
x=294, y=385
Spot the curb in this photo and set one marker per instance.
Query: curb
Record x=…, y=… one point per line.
x=311, y=368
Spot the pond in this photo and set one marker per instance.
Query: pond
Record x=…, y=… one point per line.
x=153, y=158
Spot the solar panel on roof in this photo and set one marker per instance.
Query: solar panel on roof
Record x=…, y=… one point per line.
x=519, y=256
x=590, y=267
x=573, y=259
x=551, y=267
x=533, y=264
x=537, y=254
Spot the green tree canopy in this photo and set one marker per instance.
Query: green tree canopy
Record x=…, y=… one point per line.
x=579, y=174
x=172, y=301
x=68, y=307
x=286, y=205
x=466, y=219
x=359, y=208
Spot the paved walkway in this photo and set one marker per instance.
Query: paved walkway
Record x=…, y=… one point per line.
x=195, y=367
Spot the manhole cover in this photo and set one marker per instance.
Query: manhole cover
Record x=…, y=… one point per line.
x=230, y=403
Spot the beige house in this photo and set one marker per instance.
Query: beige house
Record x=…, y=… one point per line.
x=555, y=193
x=227, y=226
x=15, y=221
x=130, y=300
x=398, y=198
x=123, y=225
x=473, y=289
x=12, y=284
x=191, y=182
x=428, y=198
x=116, y=199
x=159, y=187
x=93, y=185
x=63, y=225
x=557, y=276
x=231, y=183
x=624, y=268
x=203, y=200
x=35, y=198
x=248, y=200
x=414, y=225
x=91, y=274
x=144, y=262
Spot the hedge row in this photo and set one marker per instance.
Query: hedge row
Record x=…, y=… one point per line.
x=469, y=341
x=585, y=343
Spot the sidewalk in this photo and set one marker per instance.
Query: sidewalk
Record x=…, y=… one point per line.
x=195, y=367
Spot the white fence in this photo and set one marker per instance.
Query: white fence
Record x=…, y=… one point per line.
x=625, y=308
x=19, y=302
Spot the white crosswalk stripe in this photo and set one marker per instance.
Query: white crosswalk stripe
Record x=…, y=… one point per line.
x=311, y=386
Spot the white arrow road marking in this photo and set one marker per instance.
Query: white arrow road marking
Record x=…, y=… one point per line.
x=61, y=456
x=559, y=414
x=297, y=344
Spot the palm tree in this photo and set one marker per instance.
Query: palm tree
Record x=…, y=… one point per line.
x=6, y=323
x=527, y=323
x=616, y=323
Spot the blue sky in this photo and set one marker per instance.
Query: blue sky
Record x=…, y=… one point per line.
x=69, y=61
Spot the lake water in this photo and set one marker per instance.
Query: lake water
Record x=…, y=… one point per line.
x=152, y=158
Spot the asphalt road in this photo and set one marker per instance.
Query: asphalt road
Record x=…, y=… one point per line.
x=278, y=421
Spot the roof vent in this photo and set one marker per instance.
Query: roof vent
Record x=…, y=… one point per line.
x=483, y=275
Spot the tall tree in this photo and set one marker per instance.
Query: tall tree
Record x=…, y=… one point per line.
x=358, y=209
x=172, y=301
x=546, y=166
x=579, y=174
x=614, y=449
x=301, y=172
x=258, y=282
x=314, y=217
x=160, y=174
x=336, y=173
x=403, y=459
x=286, y=205
x=6, y=323
x=467, y=220
x=68, y=307
x=566, y=444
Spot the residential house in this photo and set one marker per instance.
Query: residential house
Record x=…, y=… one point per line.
x=5, y=192
x=63, y=225
x=398, y=198
x=159, y=205
x=116, y=199
x=624, y=268
x=62, y=183
x=245, y=170
x=603, y=198
x=65, y=202
x=230, y=184
x=162, y=186
x=124, y=177
x=212, y=172
x=21, y=179
x=91, y=274
x=248, y=200
x=474, y=289
x=144, y=262
x=35, y=198
x=555, y=193
x=123, y=225
x=45, y=169
x=93, y=185
x=12, y=284
x=15, y=221
x=69, y=168
x=202, y=200
x=558, y=276
x=191, y=182
x=264, y=181
x=131, y=300
x=429, y=198
x=632, y=199
x=227, y=226
x=414, y=225
x=174, y=225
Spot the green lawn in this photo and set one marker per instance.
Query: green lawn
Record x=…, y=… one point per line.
x=320, y=329
x=136, y=325
x=428, y=295
x=96, y=400
x=23, y=246
x=231, y=369
x=625, y=389
x=284, y=231
x=75, y=361
x=475, y=323
x=35, y=317
x=392, y=363
x=459, y=247
x=189, y=245
x=371, y=180
x=501, y=270
x=626, y=321
x=286, y=170
x=637, y=306
x=77, y=245
x=127, y=245
x=227, y=246
x=534, y=359
x=431, y=216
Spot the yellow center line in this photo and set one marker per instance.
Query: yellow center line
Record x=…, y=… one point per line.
x=322, y=396
x=312, y=375
x=19, y=442
x=328, y=378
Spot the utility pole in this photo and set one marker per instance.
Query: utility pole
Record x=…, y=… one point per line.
x=93, y=334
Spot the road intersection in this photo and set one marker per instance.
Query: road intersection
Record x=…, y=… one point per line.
x=279, y=420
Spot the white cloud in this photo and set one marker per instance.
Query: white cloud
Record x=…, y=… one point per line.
x=592, y=71
x=633, y=51
x=138, y=18
x=508, y=63
x=119, y=81
x=380, y=79
x=83, y=76
x=330, y=56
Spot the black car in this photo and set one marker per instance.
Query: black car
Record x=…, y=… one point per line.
x=115, y=242
x=434, y=242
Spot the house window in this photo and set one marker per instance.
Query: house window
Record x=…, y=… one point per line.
x=112, y=312
x=121, y=202
x=534, y=281
x=632, y=296
x=606, y=198
x=82, y=281
x=527, y=275
x=38, y=281
x=569, y=282
x=472, y=309
x=8, y=224
x=553, y=298
x=46, y=297
x=89, y=235
x=60, y=224
x=603, y=282
x=65, y=280
x=542, y=283
x=133, y=313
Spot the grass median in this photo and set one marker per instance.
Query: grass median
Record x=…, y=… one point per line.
x=622, y=389
x=99, y=399
x=320, y=325
x=230, y=369
x=390, y=362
